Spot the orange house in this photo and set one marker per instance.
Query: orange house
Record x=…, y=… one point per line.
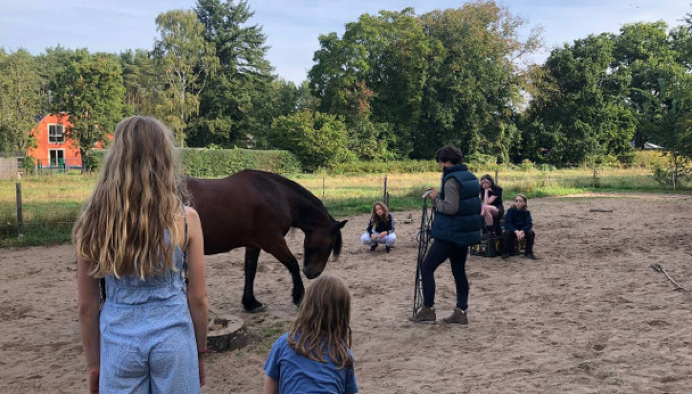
x=53, y=147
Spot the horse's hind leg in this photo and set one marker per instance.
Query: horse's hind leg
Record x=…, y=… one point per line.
x=250, y=303
x=282, y=253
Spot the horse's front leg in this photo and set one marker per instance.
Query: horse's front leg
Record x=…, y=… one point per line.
x=282, y=253
x=250, y=303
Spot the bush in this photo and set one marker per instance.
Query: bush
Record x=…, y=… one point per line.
x=94, y=158
x=650, y=159
x=318, y=140
x=664, y=175
x=29, y=165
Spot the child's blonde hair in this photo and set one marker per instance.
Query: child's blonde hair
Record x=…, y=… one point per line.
x=323, y=322
x=121, y=230
x=374, y=219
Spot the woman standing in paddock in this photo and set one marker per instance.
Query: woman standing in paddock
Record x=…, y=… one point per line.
x=380, y=228
x=149, y=336
x=315, y=355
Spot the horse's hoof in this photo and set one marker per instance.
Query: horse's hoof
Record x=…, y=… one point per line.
x=256, y=309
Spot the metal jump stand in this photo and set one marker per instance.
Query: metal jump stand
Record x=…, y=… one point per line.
x=426, y=220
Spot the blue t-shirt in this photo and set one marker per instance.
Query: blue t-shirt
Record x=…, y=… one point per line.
x=298, y=374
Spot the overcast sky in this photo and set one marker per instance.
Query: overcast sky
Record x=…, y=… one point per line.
x=292, y=27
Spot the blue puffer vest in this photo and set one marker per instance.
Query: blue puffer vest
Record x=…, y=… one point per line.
x=464, y=227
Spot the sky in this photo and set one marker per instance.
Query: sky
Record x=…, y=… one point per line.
x=292, y=27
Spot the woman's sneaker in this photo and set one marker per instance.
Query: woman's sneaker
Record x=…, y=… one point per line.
x=373, y=247
x=457, y=317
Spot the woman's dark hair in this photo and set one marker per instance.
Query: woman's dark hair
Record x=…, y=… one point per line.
x=449, y=153
x=490, y=179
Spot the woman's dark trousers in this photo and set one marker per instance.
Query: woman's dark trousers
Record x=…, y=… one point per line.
x=437, y=254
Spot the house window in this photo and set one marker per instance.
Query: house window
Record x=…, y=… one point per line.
x=57, y=157
x=56, y=134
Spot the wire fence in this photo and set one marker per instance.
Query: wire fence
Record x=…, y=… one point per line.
x=44, y=207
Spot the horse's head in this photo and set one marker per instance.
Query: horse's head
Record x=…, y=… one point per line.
x=318, y=245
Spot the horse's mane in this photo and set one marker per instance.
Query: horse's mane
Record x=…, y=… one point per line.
x=303, y=192
x=300, y=189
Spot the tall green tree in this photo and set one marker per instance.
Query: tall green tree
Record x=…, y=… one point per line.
x=373, y=77
x=671, y=117
x=142, y=82
x=644, y=55
x=580, y=112
x=20, y=99
x=188, y=62
x=90, y=91
x=52, y=63
x=232, y=108
x=475, y=82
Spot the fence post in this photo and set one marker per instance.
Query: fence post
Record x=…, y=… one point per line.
x=384, y=192
x=595, y=177
x=20, y=220
x=497, y=178
x=322, y=190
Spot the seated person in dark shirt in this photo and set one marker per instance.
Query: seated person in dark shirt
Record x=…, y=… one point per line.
x=518, y=225
x=491, y=200
x=380, y=228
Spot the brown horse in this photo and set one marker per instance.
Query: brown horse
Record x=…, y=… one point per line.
x=255, y=209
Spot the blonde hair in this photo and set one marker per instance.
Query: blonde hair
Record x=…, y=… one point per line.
x=374, y=219
x=121, y=230
x=324, y=322
x=526, y=201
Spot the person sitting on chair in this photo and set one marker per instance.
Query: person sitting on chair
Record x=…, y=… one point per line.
x=380, y=228
x=492, y=209
x=518, y=225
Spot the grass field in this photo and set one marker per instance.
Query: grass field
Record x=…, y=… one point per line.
x=51, y=202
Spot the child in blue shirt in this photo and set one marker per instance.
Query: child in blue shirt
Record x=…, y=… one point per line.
x=315, y=355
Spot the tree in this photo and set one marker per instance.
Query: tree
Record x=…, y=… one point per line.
x=143, y=86
x=671, y=111
x=643, y=55
x=579, y=110
x=232, y=109
x=90, y=92
x=475, y=81
x=51, y=64
x=318, y=140
x=188, y=60
x=20, y=99
x=373, y=77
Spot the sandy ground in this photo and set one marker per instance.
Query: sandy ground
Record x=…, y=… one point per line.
x=591, y=316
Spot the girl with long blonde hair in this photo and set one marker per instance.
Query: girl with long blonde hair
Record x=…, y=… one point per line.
x=315, y=355
x=380, y=228
x=150, y=333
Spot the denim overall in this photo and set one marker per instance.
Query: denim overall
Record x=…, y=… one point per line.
x=147, y=337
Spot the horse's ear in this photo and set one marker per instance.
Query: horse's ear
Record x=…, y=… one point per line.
x=339, y=225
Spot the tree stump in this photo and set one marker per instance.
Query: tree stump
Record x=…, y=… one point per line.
x=226, y=333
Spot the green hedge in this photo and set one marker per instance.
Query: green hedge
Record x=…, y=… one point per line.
x=215, y=163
